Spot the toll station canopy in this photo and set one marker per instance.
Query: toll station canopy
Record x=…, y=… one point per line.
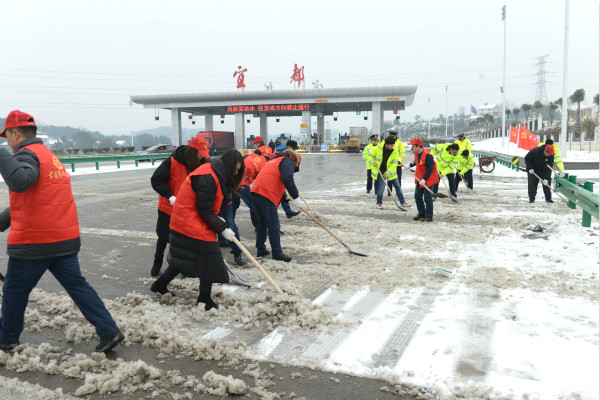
x=305, y=103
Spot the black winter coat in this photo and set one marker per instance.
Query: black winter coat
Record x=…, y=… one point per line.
x=199, y=258
x=537, y=161
x=160, y=184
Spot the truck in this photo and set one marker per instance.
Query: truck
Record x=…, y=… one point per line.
x=353, y=146
x=218, y=141
x=361, y=133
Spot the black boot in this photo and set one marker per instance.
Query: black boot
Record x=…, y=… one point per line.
x=239, y=261
x=155, y=271
x=207, y=300
x=160, y=286
x=254, y=219
x=107, y=343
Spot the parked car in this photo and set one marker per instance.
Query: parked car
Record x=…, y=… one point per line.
x=158, y=149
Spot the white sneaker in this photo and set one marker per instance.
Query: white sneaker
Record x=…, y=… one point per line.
x=405, y=204
x=379, y=206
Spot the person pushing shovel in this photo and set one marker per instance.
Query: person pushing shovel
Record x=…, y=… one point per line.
x=536, y=162
x=426, y=177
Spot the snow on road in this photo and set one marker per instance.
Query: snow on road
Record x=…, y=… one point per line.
x=517, y=318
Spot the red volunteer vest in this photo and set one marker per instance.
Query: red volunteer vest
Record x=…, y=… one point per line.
x=253, y=164
x=185, y=218
x=422, y=169
x=268, y=183
x=265, y=150
x=177, y=175
x=46, y=213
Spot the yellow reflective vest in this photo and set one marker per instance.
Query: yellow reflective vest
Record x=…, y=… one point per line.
x=401, y=149
x=368, y=153
x=392, y=163
x=464, y=145
x=465, y=164
x=557, y=159
x=446, y=162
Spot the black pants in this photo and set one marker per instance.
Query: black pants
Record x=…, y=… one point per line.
x=170, y=273
x=451, y=184
x=369, y=181
x=161, y=245
x=532, y=186
x=468, y=177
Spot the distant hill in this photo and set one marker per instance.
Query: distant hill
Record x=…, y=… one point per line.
x=166, y=131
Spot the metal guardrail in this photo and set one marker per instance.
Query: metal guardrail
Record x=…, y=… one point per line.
x=578, y=194
x=112, y=158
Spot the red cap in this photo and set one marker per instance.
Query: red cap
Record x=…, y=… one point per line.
x=416, y=141
x=200, y=144
x=257, y=139
x=16, y=119
x=550, y=149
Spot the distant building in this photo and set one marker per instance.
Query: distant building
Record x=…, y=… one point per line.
x=494, y=109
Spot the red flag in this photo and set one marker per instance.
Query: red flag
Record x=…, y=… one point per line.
x=513, y=134
x=527, y=140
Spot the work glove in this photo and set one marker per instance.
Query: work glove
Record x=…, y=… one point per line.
x=412, y=164
x=422, y=182
x=172, y=200
x=561, y=174
x=374, y=163
x=228, y=234
x=296, y=202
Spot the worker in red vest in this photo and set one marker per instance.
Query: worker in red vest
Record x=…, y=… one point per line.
x=426, y=175
x=261, y=148
x=166, y=180
x=44, y=234
x=253, y=164
x=267, y=193
x=193, y=247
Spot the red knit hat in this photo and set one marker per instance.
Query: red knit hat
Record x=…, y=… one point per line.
x=550, y=149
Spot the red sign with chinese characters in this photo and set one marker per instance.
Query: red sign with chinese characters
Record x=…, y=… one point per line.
x=269, y=108
x=298, y=75
x=240, y=77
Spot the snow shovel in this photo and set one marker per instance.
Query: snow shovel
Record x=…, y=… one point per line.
x=390, y=191
x=256, y=264
x=465, y=182
x=453, y=198
x=550, y=187
x=302, y=197
x=440, y=195
x=235, y=278
x=358, y=253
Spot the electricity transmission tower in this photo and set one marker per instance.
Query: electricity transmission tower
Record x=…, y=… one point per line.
x=540, y=88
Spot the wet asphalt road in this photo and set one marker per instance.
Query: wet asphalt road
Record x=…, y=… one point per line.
x=124, y=201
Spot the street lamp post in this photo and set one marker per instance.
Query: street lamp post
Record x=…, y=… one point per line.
x=446, y=110
x=504, y=80
x=131, y=120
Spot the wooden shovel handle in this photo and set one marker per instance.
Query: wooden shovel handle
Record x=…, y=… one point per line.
x=302, y=197
x=322, y=226
x=256, y=264
x=425, y=186
x=550, y=187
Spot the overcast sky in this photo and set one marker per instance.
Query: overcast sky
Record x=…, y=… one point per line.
x=77, y=62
